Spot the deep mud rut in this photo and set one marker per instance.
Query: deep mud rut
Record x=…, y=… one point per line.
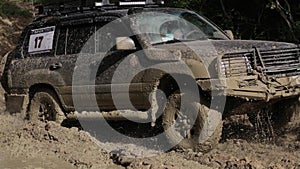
x=49, y=145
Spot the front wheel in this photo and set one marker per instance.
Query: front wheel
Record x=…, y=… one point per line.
x=286, y=115
x=43, y=106
x=190, y=124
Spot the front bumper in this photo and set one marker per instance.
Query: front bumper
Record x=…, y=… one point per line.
x=254, y=88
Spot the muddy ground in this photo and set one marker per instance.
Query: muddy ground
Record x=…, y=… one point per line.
x=48, y=145
x=26, y=145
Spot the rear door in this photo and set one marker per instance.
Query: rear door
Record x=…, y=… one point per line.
x=72, y=37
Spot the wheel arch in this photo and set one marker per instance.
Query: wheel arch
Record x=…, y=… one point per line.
x=38, y=87
x=169, y=85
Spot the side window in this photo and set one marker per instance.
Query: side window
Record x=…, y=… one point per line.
x=107, y=33
x=104, y=37
x=78, y=36
x=61, y=42
x=26, y=45
x=39, y=42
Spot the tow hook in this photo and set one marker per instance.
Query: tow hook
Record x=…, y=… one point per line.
x=271, y=91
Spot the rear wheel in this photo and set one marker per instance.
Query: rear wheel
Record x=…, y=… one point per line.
x=201, y=136
x=43, y=106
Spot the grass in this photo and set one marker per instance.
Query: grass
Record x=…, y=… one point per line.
x=9, y=9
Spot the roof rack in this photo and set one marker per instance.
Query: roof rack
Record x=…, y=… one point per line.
x=63, y=8
x=141, y=3
x=81, y=6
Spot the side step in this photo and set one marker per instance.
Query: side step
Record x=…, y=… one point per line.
x=112, y=115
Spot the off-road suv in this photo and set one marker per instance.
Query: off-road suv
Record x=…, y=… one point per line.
x=175, y=52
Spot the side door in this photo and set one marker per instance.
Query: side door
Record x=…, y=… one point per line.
x=72, y=37
x=118, y=78
x=101, y=78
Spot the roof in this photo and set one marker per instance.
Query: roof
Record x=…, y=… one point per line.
x=92, y=13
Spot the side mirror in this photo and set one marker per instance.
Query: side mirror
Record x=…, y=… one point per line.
x=125, y=43
x=229, y=34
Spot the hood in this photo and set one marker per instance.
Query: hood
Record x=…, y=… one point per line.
x=210, y=53
x=232, y=46
x=221, y=47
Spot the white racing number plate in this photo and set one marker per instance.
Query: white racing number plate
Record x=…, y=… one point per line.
x=41, y=40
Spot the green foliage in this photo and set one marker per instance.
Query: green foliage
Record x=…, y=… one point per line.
x=182, y=4
x=51, y=1
x=277, y=20
x=8, y=9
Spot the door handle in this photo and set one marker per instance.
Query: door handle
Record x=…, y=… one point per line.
x=55, y=66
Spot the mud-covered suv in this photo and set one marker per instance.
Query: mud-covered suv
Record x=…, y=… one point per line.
x=166, y=64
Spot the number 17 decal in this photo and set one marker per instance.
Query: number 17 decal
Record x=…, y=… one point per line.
x=38, y=41
x=41, y=40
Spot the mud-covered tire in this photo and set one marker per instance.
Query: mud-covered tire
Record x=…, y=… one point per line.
x=286, y=115
x=206, y=131
x=44, y=106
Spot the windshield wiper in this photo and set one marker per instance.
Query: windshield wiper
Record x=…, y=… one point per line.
x=172, y=41
x=216, y=38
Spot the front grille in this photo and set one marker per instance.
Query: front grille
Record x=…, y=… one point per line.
x=277, y=63
x=236, y=64
x=284, y=62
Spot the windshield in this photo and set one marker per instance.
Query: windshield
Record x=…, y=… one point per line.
x=171, y=27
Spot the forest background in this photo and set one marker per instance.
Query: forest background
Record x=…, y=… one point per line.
x=277, y=20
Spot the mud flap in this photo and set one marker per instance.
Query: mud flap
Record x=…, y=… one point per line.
x=16, y=104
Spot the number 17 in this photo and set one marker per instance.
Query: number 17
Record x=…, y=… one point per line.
x=38, y=41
